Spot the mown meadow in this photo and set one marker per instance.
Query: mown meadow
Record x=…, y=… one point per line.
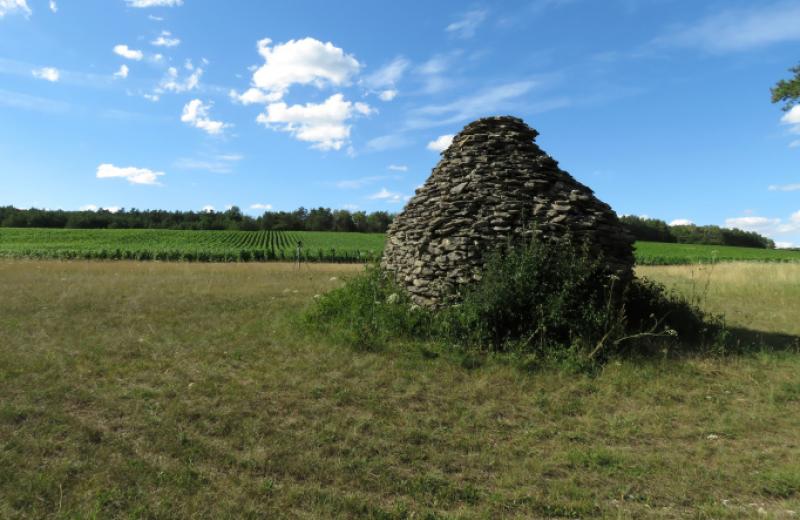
x=174, y=390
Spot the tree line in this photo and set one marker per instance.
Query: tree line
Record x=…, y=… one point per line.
x=654, y=230
x=301, y=219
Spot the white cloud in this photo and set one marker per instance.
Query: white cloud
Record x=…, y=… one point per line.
x=784, y=187
x=740, y=29
x=388, y=196
x=128, y=53
x=432, y=73
x=384, y=79
x=323, y=124
x=165, y=39
x=131, y=174
x=122, y=72
x=792, y=117
x=208, y=209
x=466, y=26
x=14, y=6
x=155, y=18
x=752, y=223
x=152, y=97
x=261, y=206
x=387, y=142
x=302, y=62
x=354, y=184
x=398, y=167
x=350, y=207
x=217, y=164
x=681, y=222
x=490, y=101
x=195, y=113
x=766, y=226
x=47, y=73
x=154, y=3
x=172, y=82
x=441, y=143
x=255, y=96
x=53, y=6
x=94, y=207
x=784, y=245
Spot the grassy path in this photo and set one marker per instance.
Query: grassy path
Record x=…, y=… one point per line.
x=169, y=390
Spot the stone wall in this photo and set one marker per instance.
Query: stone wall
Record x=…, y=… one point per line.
x=493, y=184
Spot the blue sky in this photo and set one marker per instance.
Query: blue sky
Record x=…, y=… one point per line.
x=661, y=106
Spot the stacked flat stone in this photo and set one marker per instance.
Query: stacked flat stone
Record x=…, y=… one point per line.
x=493, y=186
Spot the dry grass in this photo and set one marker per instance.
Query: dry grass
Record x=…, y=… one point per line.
x=756, y=296
x=173, y=390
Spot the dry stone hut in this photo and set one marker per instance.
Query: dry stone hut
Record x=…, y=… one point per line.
x=492, y=185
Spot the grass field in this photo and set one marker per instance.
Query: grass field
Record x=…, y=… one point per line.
x=174, y=390
x=246, y=246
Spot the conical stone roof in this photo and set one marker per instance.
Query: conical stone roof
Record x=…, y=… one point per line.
x=492, y=185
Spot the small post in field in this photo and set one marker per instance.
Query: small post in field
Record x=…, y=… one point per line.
x=299, y=247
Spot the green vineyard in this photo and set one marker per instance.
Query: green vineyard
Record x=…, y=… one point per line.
x=315, y=246
x=189, y=246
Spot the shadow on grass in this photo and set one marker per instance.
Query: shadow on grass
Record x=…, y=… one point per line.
x=745, y=340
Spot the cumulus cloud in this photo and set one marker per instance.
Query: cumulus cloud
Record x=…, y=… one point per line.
x=196, y=114
x=165, y=39
x=128, y=53
x=154, y=3
x=255, y=96
x=792, y=118
x=739, y=29
x=122, y=72
x=47, y=73
x=441, y=143
x=387, y=95
x=208, y=209
x=323, y=124
x=14, y=7
x=765, y=225
x=172, y=81
x=681, y=222
x=53, y=6
x=388, y=196
x=398, y=167
x=467, y=24
x=302, y=62
x=264, y=207
x=132, y=174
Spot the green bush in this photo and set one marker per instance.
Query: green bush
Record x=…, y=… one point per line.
x=545, y=301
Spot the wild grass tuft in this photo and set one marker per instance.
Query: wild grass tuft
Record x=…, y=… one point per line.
x=544, y=302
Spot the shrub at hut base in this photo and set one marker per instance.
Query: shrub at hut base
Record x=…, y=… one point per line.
x=545, y=301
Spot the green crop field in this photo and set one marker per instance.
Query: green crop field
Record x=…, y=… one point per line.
x=659, y=253
x=191, y=246
x=317, y=246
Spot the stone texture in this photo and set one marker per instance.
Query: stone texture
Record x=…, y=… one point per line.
x=492, y=185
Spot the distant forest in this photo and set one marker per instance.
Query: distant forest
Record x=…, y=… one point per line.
x=301, y=219
x=326, y=219
x=654, y=230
